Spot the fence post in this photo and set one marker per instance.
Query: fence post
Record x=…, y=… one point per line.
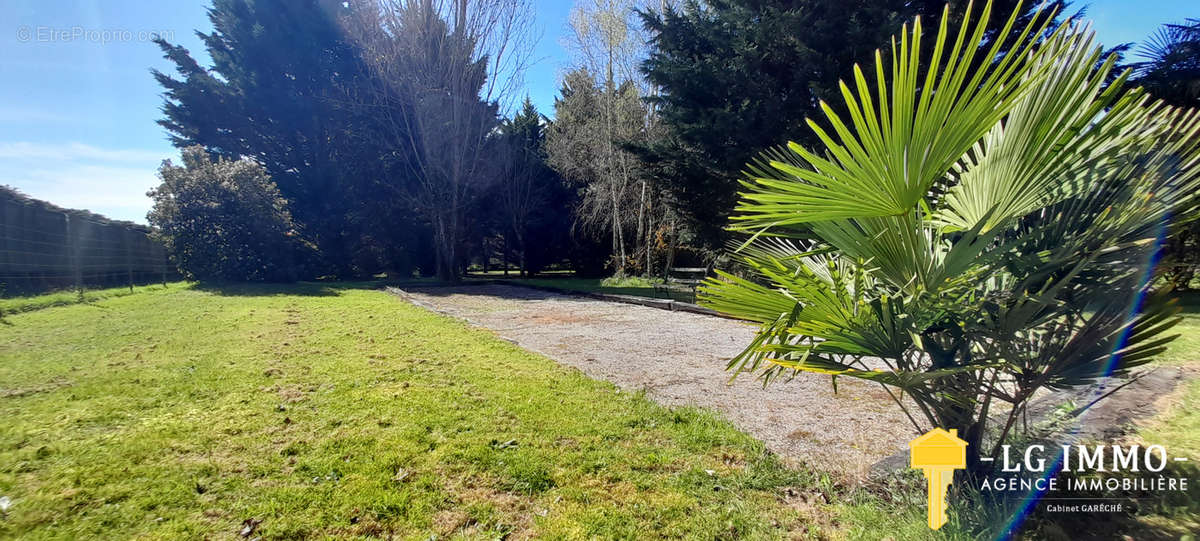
x=128, y=255
x=73, y=247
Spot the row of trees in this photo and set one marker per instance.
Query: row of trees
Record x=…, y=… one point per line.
x=385, y=124
x=722, y=81
x=378, y=122
x=600, y=115
x=668, y=101
x=1170, y=71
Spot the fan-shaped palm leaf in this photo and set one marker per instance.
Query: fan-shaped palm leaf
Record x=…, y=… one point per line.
x=977, y=229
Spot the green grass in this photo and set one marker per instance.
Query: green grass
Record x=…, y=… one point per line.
x=630, y=281
x=1186, y=348
x=337, y=411
x=1179, y=427
x=67, y=297
x=333, y=412
x=499, y=273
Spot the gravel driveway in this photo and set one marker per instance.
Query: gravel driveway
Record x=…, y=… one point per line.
x=679, y=358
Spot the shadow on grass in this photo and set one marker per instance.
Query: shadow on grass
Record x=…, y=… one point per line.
x=1189, y=302
x=542, y=288
x=302, y=289
x=332, y=287
x=478, y=287
x=539, y=290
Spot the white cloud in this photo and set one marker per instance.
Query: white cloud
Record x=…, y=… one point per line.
x=22, y=115
x=84, y=186
x=76, y=151
x=112, y=182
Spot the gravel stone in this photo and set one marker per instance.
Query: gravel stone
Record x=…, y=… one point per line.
x=679, y=359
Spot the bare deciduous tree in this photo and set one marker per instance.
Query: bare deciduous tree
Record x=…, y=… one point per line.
x=586, y=143
x=443, y=68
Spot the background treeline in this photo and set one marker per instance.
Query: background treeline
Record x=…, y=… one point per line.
x=392, y=138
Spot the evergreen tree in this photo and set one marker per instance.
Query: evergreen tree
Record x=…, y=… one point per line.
x=739, y=76
x=279, y=90
x=534, y=203
x=588, y=144
x=1170, y=71
x=435, y=89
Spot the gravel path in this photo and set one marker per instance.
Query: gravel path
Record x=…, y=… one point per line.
x=679, y=358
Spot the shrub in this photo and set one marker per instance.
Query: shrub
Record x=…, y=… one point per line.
x=630, y=281
x=225, y=220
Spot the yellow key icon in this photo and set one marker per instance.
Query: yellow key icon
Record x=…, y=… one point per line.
x=938, y=453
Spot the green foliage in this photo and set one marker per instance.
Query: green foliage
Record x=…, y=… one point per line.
x=225, y=220
x=969, y=232
x=1170, y=71
x=590, y=285
x=287, y=87
x=739, y=76
x=377, y=120
x=530, y=203
x=429, y=76
x=588, y=144
x=630, y=281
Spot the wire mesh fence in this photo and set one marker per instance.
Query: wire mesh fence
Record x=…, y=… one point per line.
x=44, y=248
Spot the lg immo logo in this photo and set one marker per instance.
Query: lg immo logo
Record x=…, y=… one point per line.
x=939, y=453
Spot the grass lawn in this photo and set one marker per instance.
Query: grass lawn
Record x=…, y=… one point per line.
x=67, y=297
x=1186, y=348
x=335, y=412
x=340, y=411
x=1179, y=427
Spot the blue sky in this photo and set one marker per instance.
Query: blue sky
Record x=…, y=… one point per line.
x=78, y=105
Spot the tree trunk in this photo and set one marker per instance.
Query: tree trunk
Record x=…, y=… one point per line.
x=483, y=247
x=618, y=242
x=671, y=250
x=445, y=243
x=971, y=427
x=641, y=228
x=521, y=246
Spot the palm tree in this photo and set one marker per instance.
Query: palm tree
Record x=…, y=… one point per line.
x=978, y=226
x=1170, y=69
